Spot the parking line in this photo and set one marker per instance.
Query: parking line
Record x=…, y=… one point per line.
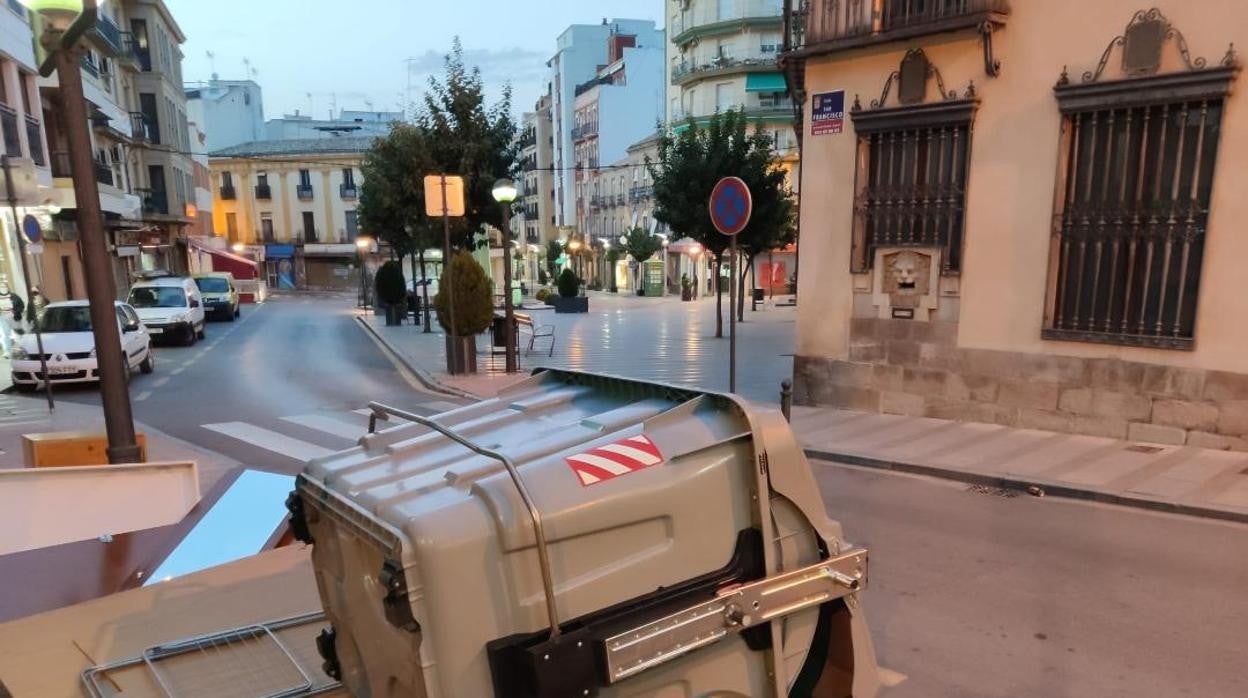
x=160, y=381
x=177, y=370
x=143, y=396
x=269, y=440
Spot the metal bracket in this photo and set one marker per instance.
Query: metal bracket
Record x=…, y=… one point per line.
x=734, y=609
x=992, y=66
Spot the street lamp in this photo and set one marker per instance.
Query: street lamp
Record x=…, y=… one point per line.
x=504, y=193
x=66, y=22
x=362, y=245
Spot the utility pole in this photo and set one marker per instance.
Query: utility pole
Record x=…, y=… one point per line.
x=101, y=293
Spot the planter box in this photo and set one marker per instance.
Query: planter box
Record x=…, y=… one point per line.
x=465, y=359
x=578, y=304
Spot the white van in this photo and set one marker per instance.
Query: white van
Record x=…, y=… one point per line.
x=171, y=307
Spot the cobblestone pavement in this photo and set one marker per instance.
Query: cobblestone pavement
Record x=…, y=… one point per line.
x=660, y=339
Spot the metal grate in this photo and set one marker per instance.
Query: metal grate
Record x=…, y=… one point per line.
x=267, y=660
x=993, y=491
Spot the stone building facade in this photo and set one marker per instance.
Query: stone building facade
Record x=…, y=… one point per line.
x=1023, y=231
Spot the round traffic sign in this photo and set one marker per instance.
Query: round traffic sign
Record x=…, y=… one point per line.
x=30, y=225
x=731, y=205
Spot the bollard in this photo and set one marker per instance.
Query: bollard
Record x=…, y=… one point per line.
x=786, y=398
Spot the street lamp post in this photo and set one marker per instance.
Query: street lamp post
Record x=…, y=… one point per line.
x=362, y=244
x=67, y=21
x=504, y=193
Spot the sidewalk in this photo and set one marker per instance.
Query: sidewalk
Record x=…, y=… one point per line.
x=658, y=339
x=1179, y=479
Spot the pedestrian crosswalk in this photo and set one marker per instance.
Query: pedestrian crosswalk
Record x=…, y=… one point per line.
x=21, y=411
x=298, y=438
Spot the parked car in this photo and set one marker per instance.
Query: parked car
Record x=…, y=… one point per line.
x=171, y=307
x=70, y=346
x=220, y=294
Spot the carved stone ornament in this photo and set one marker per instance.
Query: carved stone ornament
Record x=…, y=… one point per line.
x=911, y=76
x=1142, y=43
x=906, y=282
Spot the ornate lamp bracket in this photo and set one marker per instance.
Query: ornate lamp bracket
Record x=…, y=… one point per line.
x=992, y=66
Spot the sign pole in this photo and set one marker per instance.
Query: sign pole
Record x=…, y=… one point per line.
x=450, y=282
x=21, y=252
x=732, y=320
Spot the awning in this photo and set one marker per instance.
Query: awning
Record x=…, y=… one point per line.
x=241, y=267
x=765, y=82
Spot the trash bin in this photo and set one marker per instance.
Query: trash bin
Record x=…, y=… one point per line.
x=758, y=295
x=583, y=535
x=498, y=331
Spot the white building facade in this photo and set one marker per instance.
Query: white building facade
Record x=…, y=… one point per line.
x=580, y=50
x=229, y=111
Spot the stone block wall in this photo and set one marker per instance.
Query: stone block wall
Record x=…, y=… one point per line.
x=915, y=368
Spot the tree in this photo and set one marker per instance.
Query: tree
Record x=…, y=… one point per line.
x=640, y=245
x=392, y=197
x=474, y=304
x=553, y=252
x=693, y=160
x=465, y=137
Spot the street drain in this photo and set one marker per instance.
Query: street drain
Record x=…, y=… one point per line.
x=993, y=491
x=1141, y=448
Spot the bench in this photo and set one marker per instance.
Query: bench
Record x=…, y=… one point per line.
x=524, y=323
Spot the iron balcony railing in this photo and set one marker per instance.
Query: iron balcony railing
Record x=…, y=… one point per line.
x=145, y=127
x=842, y=24
x=348, y=191
x=108, y=36
x=641, y=193
x=304, y=191
x=264, y=191
x=34, y=136
x=228, y=193
x=8, y=124
x=103, y=173
x=585, y=131
x=683, y=72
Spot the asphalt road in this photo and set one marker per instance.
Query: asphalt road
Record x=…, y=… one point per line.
x=284, y=368
x=976, y=595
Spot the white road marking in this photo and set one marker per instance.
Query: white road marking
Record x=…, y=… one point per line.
x=329, y=425
x=143, y=396
x=178, y=370
x=269, y=440
x=890, y=678
x=160, y=381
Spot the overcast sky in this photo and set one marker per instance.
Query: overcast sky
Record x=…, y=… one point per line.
x=313, y=54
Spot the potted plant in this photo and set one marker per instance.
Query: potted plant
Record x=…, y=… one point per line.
x=391, y=291
x=569, y=299
x=474, y=311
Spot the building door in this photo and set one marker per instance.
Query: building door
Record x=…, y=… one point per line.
x=266, y=227
x=353, y=226
x=309, y=226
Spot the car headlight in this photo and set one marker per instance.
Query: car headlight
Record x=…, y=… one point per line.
x=20, y=353
x=91, y=354
x=178, y=317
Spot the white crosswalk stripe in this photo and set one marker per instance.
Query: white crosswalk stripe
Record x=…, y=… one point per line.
x=270, y=440
x=329, y=425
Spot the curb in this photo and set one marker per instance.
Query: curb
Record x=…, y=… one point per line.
x=421, y=374
x=1005, y=482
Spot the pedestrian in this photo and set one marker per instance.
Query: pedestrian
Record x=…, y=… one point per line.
x=10, y=316
x=34, y=309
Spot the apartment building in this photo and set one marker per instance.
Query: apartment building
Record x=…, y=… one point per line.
x=1004, y=228
x=537, y=180
x=580, y=51
x=348, y=123
x=292, y=202
x=620, y=105
x=21, y=126
x=230, y=112
x=723, y=55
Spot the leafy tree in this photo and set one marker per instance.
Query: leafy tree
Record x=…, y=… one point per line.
x=392, y=197
x=693, y=160
x=465, y=137
x=641, y=245
x=553, y=252
x=474, y=304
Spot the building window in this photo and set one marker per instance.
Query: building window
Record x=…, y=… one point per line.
x=353, y=226
x=305, y=178
x=911, y=189
x=348, y=177
x=227, y=180
x=309, y=226
x=231, y=226
x=266, y=226
x=1129, y=236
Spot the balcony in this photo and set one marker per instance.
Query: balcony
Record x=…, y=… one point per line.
x=89, y=66
x=34, y=136
x=264, y=191
x=585, y=131
x=637, y=194
x=107, y=37
x=8, y=124
x=227, y=192
x=145, y=127
x=155, y=202
x=826, y=26
x=304, y=192
x=688, y=32
x=346, y=191
x=722, y=65
x=103, y=173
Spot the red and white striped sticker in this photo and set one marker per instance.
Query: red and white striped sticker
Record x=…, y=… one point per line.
x=615, y=459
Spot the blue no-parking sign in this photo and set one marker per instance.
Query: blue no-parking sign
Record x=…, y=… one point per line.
x=731, y=205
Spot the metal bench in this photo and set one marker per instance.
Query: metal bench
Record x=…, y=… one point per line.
x=524, y=322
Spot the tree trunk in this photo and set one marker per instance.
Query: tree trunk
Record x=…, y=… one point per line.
x=425, y=292
x=753, y=283
x=741, y=289
x=719, y=296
